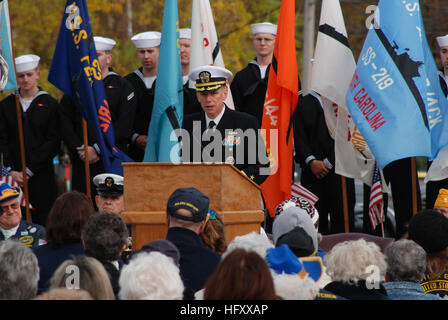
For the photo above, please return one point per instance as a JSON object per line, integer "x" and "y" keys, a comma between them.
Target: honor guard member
{"x": 12, "y": 226}
{"x": 191, "y": 103}
{"x": 122, "y": 105}
{"x": 234, "y": 133}
{"x": 41, "y": 137}
{"x": 250, "y": 84}
{"x": 314, "y": 151}
{"x": 110, "y": 199}
{"x": 433, "y": 187}
{"x": 143, "y": 80}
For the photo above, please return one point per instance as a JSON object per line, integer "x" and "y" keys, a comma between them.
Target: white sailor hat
{"x": 264, "y": 27}
{"x": 103, "y": 44}
{"x": 185, "y": 33}
{"x": 109, "y": 184}
{"x": 26, "y": 62}
{"x": 209, "y": 77}
{"x": 442, "y": 41}
{"x": 148, "y": 39}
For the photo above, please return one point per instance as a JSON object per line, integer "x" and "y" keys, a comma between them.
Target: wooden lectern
{"x": 147, "y": 187}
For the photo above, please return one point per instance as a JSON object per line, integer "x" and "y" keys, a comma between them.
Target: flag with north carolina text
{"x": 8, "y": 80}
{"x": 167, "y": 113}
{"x": 280, "y": 102}
{"x": 75, "y": 70}
{"x": 205, "y": 48}
{"x": 395, "y": 97}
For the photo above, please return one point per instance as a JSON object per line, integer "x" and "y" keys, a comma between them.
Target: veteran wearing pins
{"x": 12, "y": 226}
{"x": 219, "y": 134}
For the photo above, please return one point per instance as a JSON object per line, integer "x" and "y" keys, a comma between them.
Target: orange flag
{"x": 280, "y": 102}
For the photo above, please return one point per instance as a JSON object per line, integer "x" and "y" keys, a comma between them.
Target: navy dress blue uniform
{"x": 312, "y": 140}
{"x": 42, "y": 143}
{"x": 145, "y": 103}
{"x": 249, "y": 90}
{"x": 30, "y": 234}
{"x": 230, "y": 122}
{"x": 122, "y": 105}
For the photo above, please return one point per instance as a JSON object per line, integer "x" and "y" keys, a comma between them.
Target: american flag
{"x": 376, "y": 211}
{"x": 297, "y": 190}
{"x": 6, "y": 177}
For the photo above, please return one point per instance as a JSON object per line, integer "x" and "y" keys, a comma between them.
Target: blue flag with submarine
{"x": 75, "y": 70}
{"x": 8, "y": 80}
{"x": 167, "y": 114}
{"x": 395, "y": 97}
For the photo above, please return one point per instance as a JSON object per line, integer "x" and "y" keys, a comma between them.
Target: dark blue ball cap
{"x": 191, "y": 199}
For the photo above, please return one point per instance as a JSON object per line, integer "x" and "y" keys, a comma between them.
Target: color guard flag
{"x": 376, "y": 209}
{"x": 205, "y": 48}
{"x": 8, "y": 80}
{"x": 280, "y": 103}
{"x": 75, "y": 71}
{"x": 332, "y": 70}
{"x": 167, "y": 114}
{"x": 395, "y": 97}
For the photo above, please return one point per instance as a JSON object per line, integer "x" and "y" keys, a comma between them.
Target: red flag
{"x": 280, "y": 103}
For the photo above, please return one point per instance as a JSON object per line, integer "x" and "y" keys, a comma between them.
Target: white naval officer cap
{"x": 442, "y": 41}
{"x": 109, "y": 184}
{"x": 185, "y": 33}
{"x": 209, "y": 78}
{"x": 103, "y": 44}
{"x": 26, "y": 62}
{"x": 148, "y": 39}
{"x": 264, "y": 27}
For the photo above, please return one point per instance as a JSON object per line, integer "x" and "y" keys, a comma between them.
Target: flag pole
{"x": 345, "y": 204}
{"x": 22, "y": 155}
{"x": 414, "y": 186}
{"x": 86, "y": 159}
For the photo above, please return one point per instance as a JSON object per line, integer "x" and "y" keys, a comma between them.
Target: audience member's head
{"x": 67, "y": 217}
{"x": 105, "y": 236}
{"x": 294, "y": 227}
{"x": 151, "y": 276}
{"x": 252, "y": 241}
{"x": 64, "y": 294}
{"x": 291, "y": 279}
{"x": 214, "y": 236}
{"x": 241, "y": 275}
{"x": 352, "y": 261}
{"x": 163, "y": 246}
{"x": 406, "y": 261}
{"x": 84, "y": 273}
{"x": 188, "y": 208}
{"x": 19, "y": 271}
{"x": 429, "y": 228}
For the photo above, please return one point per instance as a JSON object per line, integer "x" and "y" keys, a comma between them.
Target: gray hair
{"x": 352, "y": 261}
{"x": 151, "y": 276}
{"x": 19, "y": 271}
{"x": 406, "y": 261}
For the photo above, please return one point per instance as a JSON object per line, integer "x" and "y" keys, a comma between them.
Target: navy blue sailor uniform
{"x": 230, "y": 130}
{"x": 122, "y": 105}
{"x": 144, "y": 105}
{"x": 42, "y": 142}
{"x": 29, "y": 234}
{"x": 249, "y": 90}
